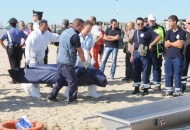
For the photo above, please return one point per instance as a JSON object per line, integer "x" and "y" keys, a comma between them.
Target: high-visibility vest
{"x": 159, "y": 30}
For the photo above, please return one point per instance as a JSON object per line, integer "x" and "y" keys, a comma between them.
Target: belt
{"x": 14, "y": 46}
{"x": 9, "y": 46}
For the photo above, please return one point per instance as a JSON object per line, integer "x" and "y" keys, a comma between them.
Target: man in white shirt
{"x": 36, "y": 45}
{"x": 97, "y": 36}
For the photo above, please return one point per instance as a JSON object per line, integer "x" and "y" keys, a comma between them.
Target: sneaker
{"x": 50, "y": 98}
{"x": 177, "y": 93}
{"x": 168, "y": 93}
{"x": 157, "y": 88}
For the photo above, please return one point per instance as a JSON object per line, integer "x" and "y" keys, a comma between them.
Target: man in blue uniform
{"x": 186, "y": 53}
{"x": 156, "y": 52}
{"x": 140, "y": 54}
{"x": 13, "y": 47}
{"x": 174, "y": 42}
{"x": 69, "y": 45}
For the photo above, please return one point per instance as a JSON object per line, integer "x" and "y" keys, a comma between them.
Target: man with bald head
{"x": 69, "y": 46}
{"x": 128, "y": 40}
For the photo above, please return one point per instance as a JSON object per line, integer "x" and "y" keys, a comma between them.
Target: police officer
{"x": 186, "y": 53}
{"x": 13, "y": 47}
{"x": 174, "y": 42}
{"x": 37, "y": 16}
{"x": 156, "y": 52}
{"x": 140, "y": 54}
{"x": 69, "y": 45}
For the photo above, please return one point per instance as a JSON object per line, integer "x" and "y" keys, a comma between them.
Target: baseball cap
{"x": 151, "y": 17}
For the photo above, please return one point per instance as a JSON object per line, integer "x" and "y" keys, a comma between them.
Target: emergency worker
{"x": 174, "y": 41}
{"x": 156, "y": 52}
{"x": 140, "y": 55}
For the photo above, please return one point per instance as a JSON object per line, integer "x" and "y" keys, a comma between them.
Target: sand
{"x": 14, "y": 102}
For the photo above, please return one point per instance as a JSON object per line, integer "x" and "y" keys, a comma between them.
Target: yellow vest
{"x": 160, "y": 32}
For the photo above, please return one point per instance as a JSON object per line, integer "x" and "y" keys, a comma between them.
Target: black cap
{"x": 37, "y": 13}
{"x": 13, "y": 20}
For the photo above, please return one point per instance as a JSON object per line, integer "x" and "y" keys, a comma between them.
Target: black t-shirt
{"x": 75, "y": 41}
{"x": 144, "y": 37}
{"x": 172, "y": 37}
{"x": 110, "y": 32}
{"x": 186, "y": 47}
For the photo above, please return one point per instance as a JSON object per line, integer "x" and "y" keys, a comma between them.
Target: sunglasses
{"x": 140, "y": 24}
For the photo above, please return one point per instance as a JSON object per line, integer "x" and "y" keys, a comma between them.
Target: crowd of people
{"x": 86, "y": 44}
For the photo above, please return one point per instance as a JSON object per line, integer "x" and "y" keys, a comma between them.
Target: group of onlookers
{"x": 84, "y": 42}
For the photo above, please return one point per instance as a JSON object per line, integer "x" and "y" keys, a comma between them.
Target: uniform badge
{"x": 177, "y": 37}
{"x": 142, "y": 35}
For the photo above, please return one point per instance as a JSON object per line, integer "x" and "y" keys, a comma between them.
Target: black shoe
{"x": 136, "y": 90}
{"x": 71, "y": 101}
{"x": 124, "y": 79}
{"x": 145, "y": 92}
{"x": 13, "y": 82}
{"x": 49, "y": 85}
{"x": 54, "y": 99}
{"x": 183, "y": 88}
{"x": 128, "y": 81}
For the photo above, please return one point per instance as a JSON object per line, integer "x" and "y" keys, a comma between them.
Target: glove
{"x": 86, "y": 65}
{"x": 93, "y": 61}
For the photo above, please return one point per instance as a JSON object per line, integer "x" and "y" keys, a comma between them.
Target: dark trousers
{"x": 156, "y": 63}
{"x": 173, "y": 68}
{"x": 129, "y": 73}
{"x": 141, "y": 64}
{"x": 15, "y": 56}
{"x": 66, "y": 72}
{"x": 46, "y": 56}
{"x": 186, "y": 62}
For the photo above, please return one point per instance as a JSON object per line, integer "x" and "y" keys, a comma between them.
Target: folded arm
{"x": 176, "y": 44}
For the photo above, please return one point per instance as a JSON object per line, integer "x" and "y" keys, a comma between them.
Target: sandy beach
{"x": 14, "y": 102}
